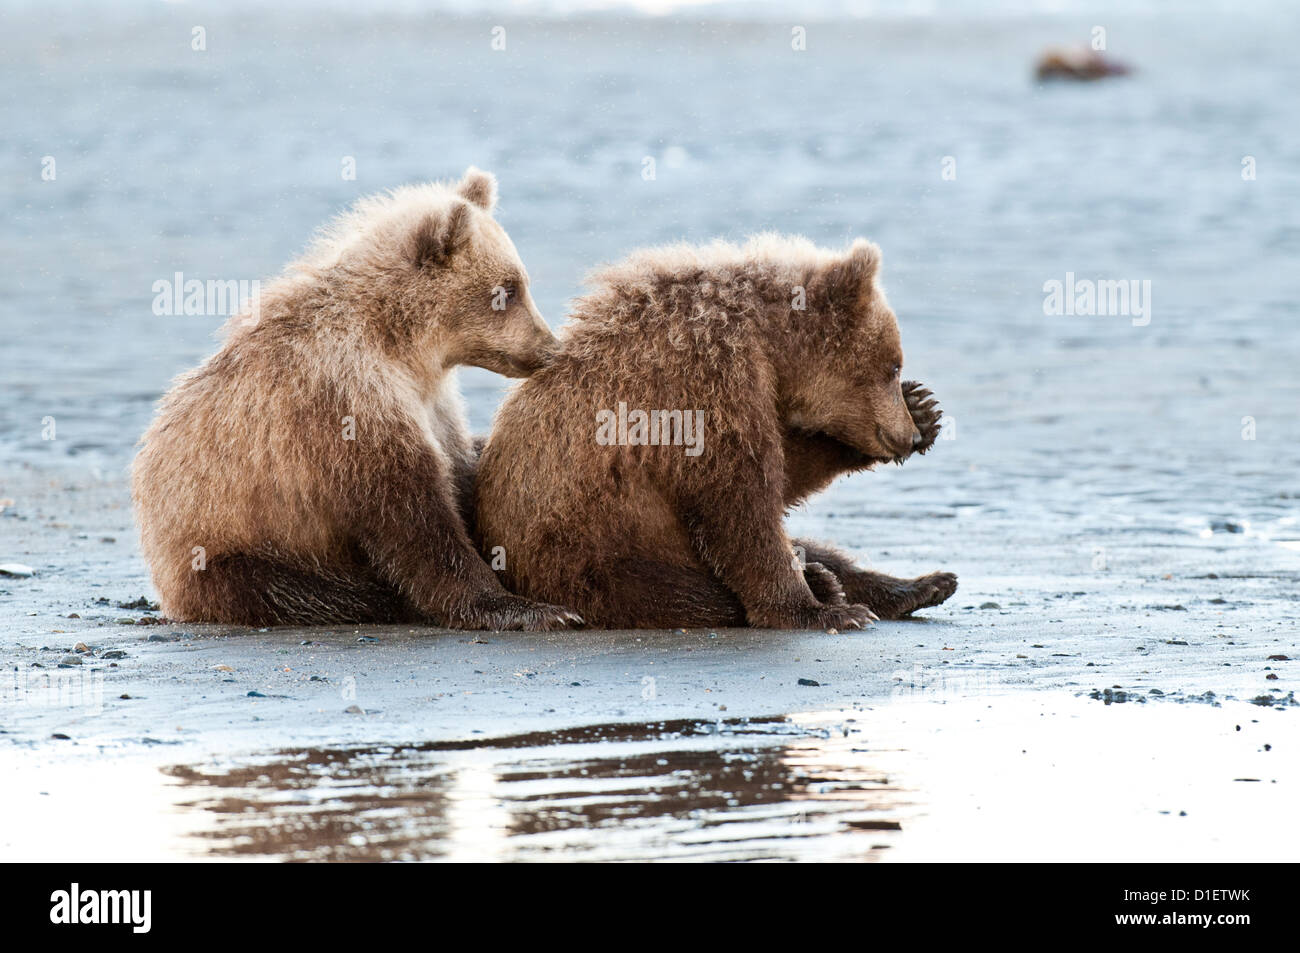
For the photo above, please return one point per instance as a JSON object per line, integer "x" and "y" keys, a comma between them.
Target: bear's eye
{"x": 895, "y": 371}
{"x": 503, "y": 295}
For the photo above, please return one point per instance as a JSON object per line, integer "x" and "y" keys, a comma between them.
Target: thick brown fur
{"x": 649, "y": 536}
{"x": 316, "y": 468}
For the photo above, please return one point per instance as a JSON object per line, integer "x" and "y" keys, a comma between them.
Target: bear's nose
{"x": 916, "y": 438}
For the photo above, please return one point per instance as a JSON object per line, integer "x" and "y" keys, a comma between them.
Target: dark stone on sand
{"x": 1115, "y": 696}
{"x": 809, "y": 682}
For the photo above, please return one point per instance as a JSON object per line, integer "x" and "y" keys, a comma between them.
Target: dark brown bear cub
{"x": 316, "y": 469}
{"x": 642, "y": 478}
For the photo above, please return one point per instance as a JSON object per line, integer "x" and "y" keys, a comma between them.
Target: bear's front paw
{"x": 500, "y": 611}
{"x": 924, "y": 408}
{"x": 839, "y": 618}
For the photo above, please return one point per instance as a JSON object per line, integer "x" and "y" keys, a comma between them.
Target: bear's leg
{"x": 409, "y": 525}
{"x": 466, "y": 470}
{"x": 263, "y": 590}
{"x": 812, "y": 460}
{"x": 732, "y": 510}
{"x": 889, "y": 597}
{"x": 646, "y": 594}
{"x": 635, "y": 593}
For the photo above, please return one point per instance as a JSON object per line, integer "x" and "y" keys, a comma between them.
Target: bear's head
{"x": 847, "y": 382}
{"x": 444, "y": 279}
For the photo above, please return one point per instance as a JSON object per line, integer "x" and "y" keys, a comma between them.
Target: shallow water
{"x": 218, "y": 164}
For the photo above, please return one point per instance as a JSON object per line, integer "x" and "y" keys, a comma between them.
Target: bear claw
{"x": 501, "y": 611}
{"x": 815, "y": 617}
{"x": 924, "y": 408}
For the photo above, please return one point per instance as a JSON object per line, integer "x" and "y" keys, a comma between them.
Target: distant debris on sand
{"x": 1077, "y": 63}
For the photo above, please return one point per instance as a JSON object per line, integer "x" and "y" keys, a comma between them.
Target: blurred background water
{"x": 219, "y": 163}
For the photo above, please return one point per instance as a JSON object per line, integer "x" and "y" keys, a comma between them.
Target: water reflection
{"x": 772, "y": 789}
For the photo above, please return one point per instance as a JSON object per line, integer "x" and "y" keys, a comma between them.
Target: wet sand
{"x": 1107, "y": 715}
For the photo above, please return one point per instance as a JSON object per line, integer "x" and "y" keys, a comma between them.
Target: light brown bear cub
{"x": 316, "y": 469}
{"x": 643, "y": 476}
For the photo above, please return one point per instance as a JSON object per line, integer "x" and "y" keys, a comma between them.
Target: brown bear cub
{"x": 317, "y": 468}
{"x": 642, "y": 477}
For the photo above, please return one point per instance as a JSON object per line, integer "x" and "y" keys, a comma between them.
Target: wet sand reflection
{"x": 769, "y": 789}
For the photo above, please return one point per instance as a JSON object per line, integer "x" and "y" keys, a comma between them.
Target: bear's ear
{"x": 849, "y": 280}
{"x": 479, "y": 187}
{"x": 438, "y": 236}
